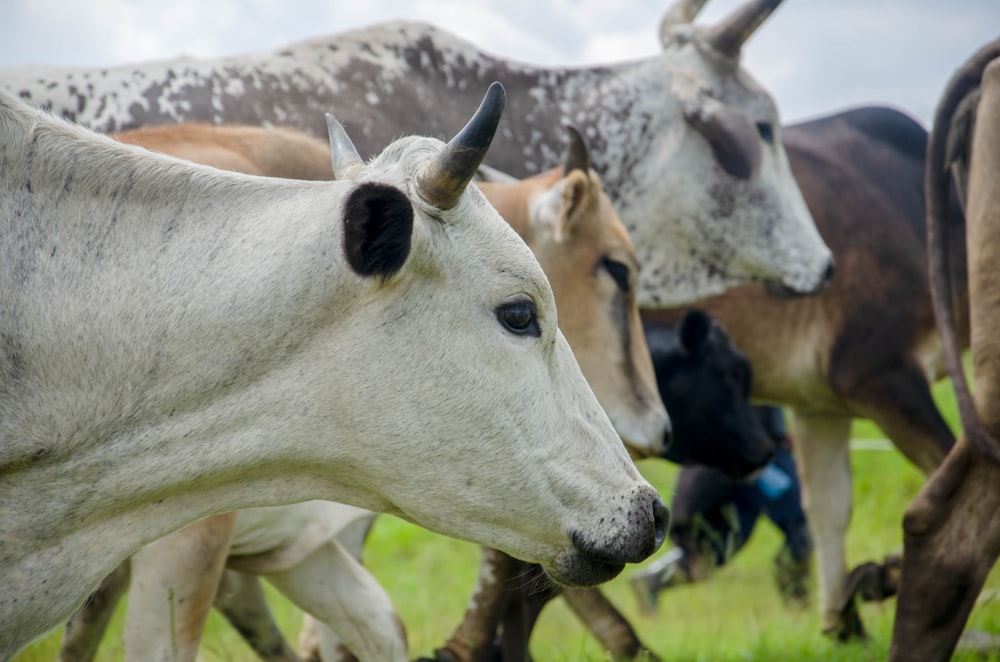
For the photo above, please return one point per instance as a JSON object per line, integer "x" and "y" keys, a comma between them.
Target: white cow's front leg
{"x": 174, "y": 581}
{"x": 822, "y": 451}
{"x": 350, "y": 606}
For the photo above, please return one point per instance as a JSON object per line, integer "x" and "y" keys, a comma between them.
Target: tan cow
{"x": 569, "y": 223}
{"x": 951, "y": 531}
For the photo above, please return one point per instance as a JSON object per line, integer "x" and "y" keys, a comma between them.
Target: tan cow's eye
{"x": 619, "y": 272}
{"x": 520, "y": 317}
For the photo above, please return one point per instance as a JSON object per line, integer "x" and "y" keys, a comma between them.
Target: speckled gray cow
{"x": 690, "y": 143}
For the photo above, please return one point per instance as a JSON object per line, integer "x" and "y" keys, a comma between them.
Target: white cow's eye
{"x": 520, "y": 317}
{"x": 766, "y": 132}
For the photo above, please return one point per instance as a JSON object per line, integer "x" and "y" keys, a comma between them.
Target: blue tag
{"x": 773, "y": 482}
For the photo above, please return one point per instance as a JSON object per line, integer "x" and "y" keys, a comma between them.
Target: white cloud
{"x": 815, "y": 57}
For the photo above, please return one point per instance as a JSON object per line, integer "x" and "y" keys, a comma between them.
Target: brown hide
{"x": 274, "y": 152}
{"x": 867, "y": 345}
{"x": 951, "y": 532}
{"x": 848, "y": 350}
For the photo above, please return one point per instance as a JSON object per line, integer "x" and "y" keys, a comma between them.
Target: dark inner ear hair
{"x": 378, "y": 226}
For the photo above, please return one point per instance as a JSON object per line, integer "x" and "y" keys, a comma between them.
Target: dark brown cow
{"x": 865, "y": 347}
{"x": 952, "y": 534}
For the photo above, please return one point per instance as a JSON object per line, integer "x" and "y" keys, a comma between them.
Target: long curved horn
{"x": 577, "y": 154}
{"x": 444, "y": 179}
{"x": 729, "y": 34}
{"x": 681, "y": 13}
{"x": 342, "y": 150}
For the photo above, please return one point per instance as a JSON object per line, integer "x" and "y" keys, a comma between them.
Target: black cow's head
{"x": 704, "y": 381}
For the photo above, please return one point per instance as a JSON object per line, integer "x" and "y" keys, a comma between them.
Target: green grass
{"x": 736, "y": 617}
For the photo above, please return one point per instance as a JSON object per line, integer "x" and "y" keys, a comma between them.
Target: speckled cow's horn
{"x": 729, "y": 34}
{"x": 444, "y": 179}
{"x": 342, "y": 150}
{"x": 680, "y": 13}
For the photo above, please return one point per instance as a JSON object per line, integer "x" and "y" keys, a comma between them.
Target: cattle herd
{"x": 232, "y": 331}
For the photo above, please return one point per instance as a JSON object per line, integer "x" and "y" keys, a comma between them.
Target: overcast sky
{"x": 816, "y": 56}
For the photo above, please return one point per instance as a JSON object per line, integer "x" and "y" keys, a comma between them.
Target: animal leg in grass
{"x": 607, "y": 624}
{"x": 822, "y": 452}
{"x": 350, "y": 606}
{"x": 174, "y": 581}
{"x": 899, "y": 401}
{"x": 533, "y": 591}
{"x": 951, "y": 541}
{"x": 241, "y": 600}
{"x": 474, "y": 639}
{"x": 84, "y": 631}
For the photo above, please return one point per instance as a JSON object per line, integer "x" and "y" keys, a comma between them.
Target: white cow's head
{"x": 514, "y": 450}
{"x": 728, "y": 160}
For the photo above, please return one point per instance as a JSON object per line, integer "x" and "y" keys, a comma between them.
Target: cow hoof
{"x": 848, "y": 626}
{"x": 792, "y": 577}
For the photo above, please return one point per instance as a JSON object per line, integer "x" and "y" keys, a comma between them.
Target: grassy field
{"x": 738, "y": 616}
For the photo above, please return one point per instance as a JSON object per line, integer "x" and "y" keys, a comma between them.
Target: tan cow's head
{"x": 571, "y": 226}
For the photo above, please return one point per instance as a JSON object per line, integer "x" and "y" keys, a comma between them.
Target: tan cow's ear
{"x": 575, "y": 190}
{"x": 546, "y": 214}
{"x": 555, "y": 212}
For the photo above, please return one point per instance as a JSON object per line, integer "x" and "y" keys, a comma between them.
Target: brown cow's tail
{"x": 944, "y": 146}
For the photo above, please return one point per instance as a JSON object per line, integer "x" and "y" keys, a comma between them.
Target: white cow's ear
{"x": 734, "y": 139}
{"x": 378, "y": 226}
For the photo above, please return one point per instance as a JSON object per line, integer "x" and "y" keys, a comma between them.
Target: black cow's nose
{"x": 831, "y": 267}
{"x": 661, "y": 522}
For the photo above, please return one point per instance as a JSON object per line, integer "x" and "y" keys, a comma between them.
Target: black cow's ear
{"x": 378, "y": 226}
{"x": 695, "y": 328}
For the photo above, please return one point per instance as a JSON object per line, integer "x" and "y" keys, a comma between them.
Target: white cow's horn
{"x": 444, "y": 179}
{"x": 342, "y": 150}
{"x": 729, "y": 34}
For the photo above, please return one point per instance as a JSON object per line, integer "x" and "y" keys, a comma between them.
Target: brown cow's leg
{"x": 85, "y": 630}
{"x": 241, "y": 600}
{"x": 952, "y": 539}
{"x": 474, "y": 638}
{"x": 606, "y": 623}
{"x": 524, "y": 605}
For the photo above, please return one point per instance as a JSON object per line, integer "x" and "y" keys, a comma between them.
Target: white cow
{"x": 177, "y": 341}
{"x": 308, "y": 550}
{"x": 690, "y": 144}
